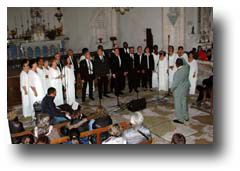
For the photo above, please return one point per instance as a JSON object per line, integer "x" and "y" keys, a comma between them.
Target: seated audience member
{"x": 48, "y": 106}
{"x": 103, "y": 119}
{"x": 78, "y": 121}
{"x": 138, "y": 133}
{"x": 202, "y": 54}
{"x": 209, "y": 54}
{"x": 178, "y": 139}
{"x": 74, "y": 137}
{"x": 15, "y": 125}
{"x": 116, "y": 135}
{"x": 42, "y": 140}
{"x": 45, "y": 127}
{"x": 28, "y": 139}
{"x": 205, "y": 90}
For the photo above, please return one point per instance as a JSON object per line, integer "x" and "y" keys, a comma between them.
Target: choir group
{"x": 148, "y": 69}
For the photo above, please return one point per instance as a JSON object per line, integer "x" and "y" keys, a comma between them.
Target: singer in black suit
{"x": 138, "y": 66}
{"x": 131, "y": 71}
{"x": 116, "y": 66}
{"x": 74, "y": 61}
{"x": 101, "y": 64}
{"x": 60, "y": 63}
{"x": 148, "y": 66}
{"x": 87, "y": 75}
{"x": 124, "y": 53}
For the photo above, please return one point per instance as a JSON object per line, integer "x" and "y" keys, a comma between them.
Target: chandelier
{"x": 122, "y": 10}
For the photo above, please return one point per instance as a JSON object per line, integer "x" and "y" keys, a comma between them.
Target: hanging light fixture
{"x": 122, "y": 10}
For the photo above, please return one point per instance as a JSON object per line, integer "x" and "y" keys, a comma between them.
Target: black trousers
{"x": 102, "y": 86}
{"x": 132, "y": 80}
{"x": 147, "y": 79}
{"x": 90, "y": 84}
{"x": 117, "y": 84}
{"x": 122, "y": 81}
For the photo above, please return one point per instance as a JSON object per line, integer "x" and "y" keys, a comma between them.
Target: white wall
{"x": 134, "y": 23}
{"x": 132, "y": 26}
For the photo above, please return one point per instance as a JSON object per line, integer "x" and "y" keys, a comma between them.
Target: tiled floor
{"x": 158, "y": 117}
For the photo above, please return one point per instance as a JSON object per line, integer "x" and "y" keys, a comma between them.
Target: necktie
{"x": 119, "y": 61}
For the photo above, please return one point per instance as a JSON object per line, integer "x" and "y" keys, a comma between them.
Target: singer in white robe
{"x": 46, "y": 79}
{"x": 36, "y": 92}
{"x": 24, "y": 88}
{"x": 192, "y": 73}
{"x": 56, "y": 81}
{"x": 155, "y": 72}
{"x": 68, "y": 82}
{"x": 40, "y": 72}
{"x": 162, "y": 73}
{"x": 172, "y": 67}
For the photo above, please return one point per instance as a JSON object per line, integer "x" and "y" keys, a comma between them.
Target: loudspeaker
{"x": 136, "y": 105}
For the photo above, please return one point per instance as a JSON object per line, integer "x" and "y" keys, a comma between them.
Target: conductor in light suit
{"x": 180, "y": 89}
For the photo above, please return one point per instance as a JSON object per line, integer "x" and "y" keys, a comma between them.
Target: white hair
{"x": 137, "y": 119}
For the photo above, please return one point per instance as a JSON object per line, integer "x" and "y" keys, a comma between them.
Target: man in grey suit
{"x": 180, "y": 89}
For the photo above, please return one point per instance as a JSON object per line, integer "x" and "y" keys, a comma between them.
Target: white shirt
{"x": 120, "y": 62}
{"x": 90, "y": 66}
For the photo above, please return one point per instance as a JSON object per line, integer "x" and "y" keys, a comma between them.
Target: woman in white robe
{"x": 69, "y": 81}
{"x": 46, "y": 80}
{"x": 172, "y": 57}
{"x": 162, "y": 73}
{"x": 24, "y": 88}
{"x": 155, "y": 72}
{"x": 192, "y": 73}
{"x": 55, "y": 77}
{"x": 36, "y": 92}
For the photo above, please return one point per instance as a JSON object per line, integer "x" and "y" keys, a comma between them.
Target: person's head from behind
{"x": 74, "y": 136}
{"x": 100, "y": 52}
{"x": 51, "y": 92}
{"x": 209, "y": 52}
{"x": 190, "y": 56}
{"x": 139, "y": 49}
{"x": 70, "y": 52}
{"x": 28, "y": 139}
{"x": 136, "y": 120}
{"x": 170, "y": 49}
{"x": 101, "y": 112}
{"x": 43, "y": 139}
{"x": 25, "y": 65}
{"x": 179, "y": 62}
{"x": 43, "y": 120}
{"x": 131, "y": 50}
{"x": 125, "y": 45}
{"x": 33, "y": 65}
{"x": 40, "y": 61}
{"x": 180, "y": 50}
{"x": 155, "y": 49}
{"x": 115, "y": 130}
{"x": 178, "y": 139}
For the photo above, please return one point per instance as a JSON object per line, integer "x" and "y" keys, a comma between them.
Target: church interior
{"x": 35, "y": 33}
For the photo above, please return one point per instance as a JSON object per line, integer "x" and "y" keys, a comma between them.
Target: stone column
{"x": 173, "y": 26}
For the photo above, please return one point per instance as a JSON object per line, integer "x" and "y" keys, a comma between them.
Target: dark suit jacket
{"x": 114, "y": 65}
{"x": 130, "y": 63}
{"x": 150, "y": 60}
{"x": 84, "y": 71}
{"x": 138, "y": 65}
{"x": 101, "y": 66}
